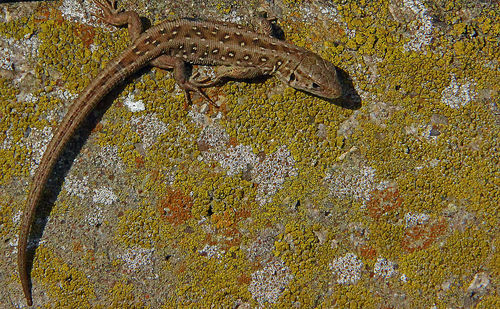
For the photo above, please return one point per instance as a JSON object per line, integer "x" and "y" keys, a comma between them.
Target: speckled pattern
{"x": 387, "y": 198}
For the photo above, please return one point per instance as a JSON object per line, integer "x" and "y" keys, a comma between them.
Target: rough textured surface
{"x": 394, "y": 204}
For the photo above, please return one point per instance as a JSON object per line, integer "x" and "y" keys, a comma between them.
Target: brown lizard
{"x": 174, "y": 45}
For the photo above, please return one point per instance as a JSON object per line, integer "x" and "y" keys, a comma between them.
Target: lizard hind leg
{"x": 111, "y": 15}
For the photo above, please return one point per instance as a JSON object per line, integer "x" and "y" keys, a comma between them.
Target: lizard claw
{"x": 190, "y": 86}
{"x": 204, "y": 82}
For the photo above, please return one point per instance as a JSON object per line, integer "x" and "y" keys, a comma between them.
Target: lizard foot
{"x": 111, "y": 15}
{"x": 204, "y": 82}
{"x": 189, "y": 86}
{"x": 108, "y": 8}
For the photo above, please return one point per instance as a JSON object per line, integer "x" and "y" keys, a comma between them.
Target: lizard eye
{"x": 292, "y": 77}
{"x": 315, "y": 86}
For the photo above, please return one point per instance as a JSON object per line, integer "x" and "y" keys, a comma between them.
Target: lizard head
{"x": 316, "y": 76}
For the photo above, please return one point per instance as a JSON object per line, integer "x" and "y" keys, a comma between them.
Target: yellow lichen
{"x": 66, "y": 286}
{"x": 457, "y": 259}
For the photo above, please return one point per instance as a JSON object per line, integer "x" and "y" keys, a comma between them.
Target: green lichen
{"x": 489, "y": 301}
{"x": 219, "y": 195}
{"x": 7, "y": 206}
{"x": 308, "y": 259}
{"x": 267, "y": 121}
{"x": 386, "y": 238}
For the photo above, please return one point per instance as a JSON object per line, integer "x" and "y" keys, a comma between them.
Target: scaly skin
{"x": 173, "y": 45}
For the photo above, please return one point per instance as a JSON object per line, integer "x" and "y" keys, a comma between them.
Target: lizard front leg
{"x": 180, "y": 75}
{"x": 112, "y": 16}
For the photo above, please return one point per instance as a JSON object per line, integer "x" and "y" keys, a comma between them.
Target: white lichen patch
{"x": 149, "y": 128}
{"x": 8, "y": 140}
{"x": 384, "y": 268}
{"x": 414, "y": 219}
{"x": 214, "y": 136}
{"x": 261, "y": 247}
{"x": 347, "y": 269}
{"x": 269, "y": 283}
{"x": 134, "y": 105}
{"x": 214, "y": 141}
{"x": 422, "y": 25}
{"x": 108, "y": 157}
{"x": 65, "y": 95}
{"x": 211, "y": 251}
{"x": 37, "y": 141}
{"x": 95, "y": 217}
{"x": 80, "y": 12}
{"x": 104, "y": 196}
{"x": 77, "y": 186}
{"x": 16, "y": 217}
{"x": 457, "y": 94}
{"x": 15, "y": 54}
{"x": 136, "y": 259}
{"x": 237, "y": 159}
{"x": 233, "y": 17}
{"x": 197, "y": 117}
{"x": 352, "y": 181}
{"x": 271, "y": 173}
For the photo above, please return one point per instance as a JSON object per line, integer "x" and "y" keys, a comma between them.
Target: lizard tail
{"x": 115, "y": 72}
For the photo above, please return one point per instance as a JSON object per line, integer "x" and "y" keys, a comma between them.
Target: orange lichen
{"x": 86, "y": 34}
{"x": 423, "y": 235}
{"x": 383, "y": 201}
{"x": 368, "y": 252}
{"x": 175, "y": 207}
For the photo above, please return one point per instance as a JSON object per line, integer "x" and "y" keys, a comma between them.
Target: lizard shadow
{"x": 350, "y": 98}
{"x": 63, "y": 165}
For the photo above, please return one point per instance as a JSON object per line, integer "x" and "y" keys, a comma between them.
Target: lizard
{"x": 242, "y": 53}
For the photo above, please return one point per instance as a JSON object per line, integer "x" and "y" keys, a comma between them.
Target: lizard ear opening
{"x": 315, "y": 86}
{"x": 292, "y": 77}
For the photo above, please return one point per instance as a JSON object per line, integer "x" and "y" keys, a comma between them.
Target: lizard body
{"x": 174, "y": 45}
